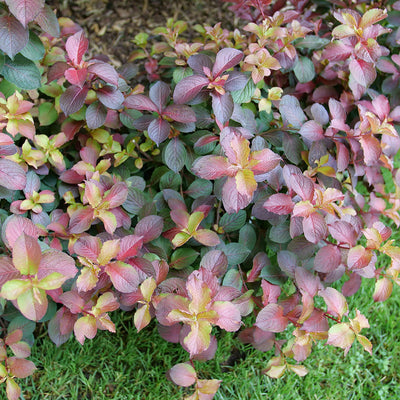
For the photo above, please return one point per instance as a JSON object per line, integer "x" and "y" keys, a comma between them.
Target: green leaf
{"x": 236, "y": 253}
{"x": 135, "y": 201}
{"x": 311, "y": 42}
{"x": 22, "y": 72}
{"x": 174, "y": 155}
{"x": 304, "y": 70}
{"x": 244, "y": 95}
{"x": 280, "y": 233}
{"x": 180, "y": 73}
{"x": 128, "y": 116}
{"x": 47, "y": 114}
{"x": 247, "y": 236}
{"x": 34, "y": 50}
{"x": 200, "y": 187}
{"x": 233, "y": 222}
{"x": 170, "y": 180}
{"x": 183, "y": 257}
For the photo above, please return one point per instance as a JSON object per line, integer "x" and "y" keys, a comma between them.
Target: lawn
{"x": 128, "y": 365}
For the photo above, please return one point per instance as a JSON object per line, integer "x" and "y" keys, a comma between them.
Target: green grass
{"x": 131, "y": 366}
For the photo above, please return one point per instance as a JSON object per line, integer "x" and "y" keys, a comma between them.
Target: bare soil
{"x": 111, "y": 25}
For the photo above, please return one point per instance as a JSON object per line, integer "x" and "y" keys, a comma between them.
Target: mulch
{"x": 111, "y": 25}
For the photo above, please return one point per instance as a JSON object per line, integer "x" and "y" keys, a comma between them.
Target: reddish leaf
{"x": 180, "y": 113}
{"x": 211, "y": 167}
{"x": 311, "y": 130}
{"x": 260, "y": 261}
{"x": 104, "y": 71}
{"x": 226, "y": 59}
{"x": 76, "y": 76}
{"x": 149, "y": 228}
{"x": 279, "y": 203}
{"x": 129, "y": 246}
{"x": 73, "y": 99}
{"x": 85, "y": 327}
{"x": 15, "y": 226}
{"x": 271, "y": 319}
{"x": 383, "y": 289}
{"x": 124, "y": 277}
{"x": 363, "y": 72}
{"x": 232, "y": 199}
{"x": 314, "y": 227}
{"x": 206, "y": 237}
{"x": 76, "y": 47}
{"x": 20, "y": 367}
{"x": 13, "y": 36}
{"x": 7, "y": 270}
{"x": 306, "y": 281}
{"x": 372, "y": 149}
{"x": 33, "y": 304}
{"x": 81, "y": 220}
{"x": 140, "y": 102}
{"x": 358, "y": 257}
{"x": 215, "y": 261}
{"x": 25, "y": 10}
{"x": 12, "y": 175}
{"x": 270, "y": 292}
{"x": 57, "y": 261}
{"x": 343, "y": 232}
{"x": 27, "y": 255}
{"x": 183, "y": 374}
{"x": 335, "y": 302}
{"x": 327, "y": 259}
{"x": 188, "y": 88}
{"x": 351, "y": 286}
{"x": 117, "y": 195}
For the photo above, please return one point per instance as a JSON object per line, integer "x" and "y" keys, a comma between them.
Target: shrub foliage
{"x": 245, "y": 181}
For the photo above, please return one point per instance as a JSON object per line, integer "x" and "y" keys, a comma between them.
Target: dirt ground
{"x": 111, "y": 25}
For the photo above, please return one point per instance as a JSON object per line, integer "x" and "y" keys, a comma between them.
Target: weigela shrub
{"x": 245, "y": 181}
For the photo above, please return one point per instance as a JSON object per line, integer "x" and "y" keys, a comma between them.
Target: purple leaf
{"x": 12, "y": 175}
{"x": 76, "y": 47}
{"x": 25, "y": 10}
{"x": 104, "y": 71}
{"x": 149, "y": 227}
{"x": 96, "y": 115}
{"x": 314, "y": 227}
{"x": 111, "y": 97}
{"x": 57, "y": 261}
{"x": 363, "y": 72}
{"x": 48, "y": 21}
{"x": 312, "y": 131}
{"x": 73, "y": 99}
{"x": 291, "y": 111}
{"x": 182, "y": 374}
{"x": 226, "y": 59}
{"x": 198, "y": 61}
{"x": 143, "y": 122}
{"x": 159, "y": 94}
{"x": 56, "y": 71}
{"x": 271, "y": 319}
{"x": 211, "y": 167}
{"x": 236, "y": 81}
{"x": 222, "y": 106}
{"x": 180, "y": 113}
{"x": 140, "y": 102}
{"x": 158, "y": 130}
{"x": 327, "y": 259}
{"x": 188, "y": 88}
{"x": 13, "y": 36}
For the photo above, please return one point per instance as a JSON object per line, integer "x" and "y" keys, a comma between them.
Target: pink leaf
{"x": 270, "y": 292}
{"x": 25, "y": 10}
{"x": 271, "y": 319}
{"x": 73, "y": 99}
{"x": 206, "y": 237}
{"x": 215, "y": 261}
{"x": 266, "y": 159}
{"x": 26, "y": 255}
{"x": 76, "y": 47}
{"x": 104, "y": 71}
{"x": 88, "y": 247}
{"x": 13, "y": 36}
{"x": 351, "y": 286}
{"x": 149, "y": 228}
{"x": 180, "y": 113}
{"x": 117, "y": 195}
{"x": 15, "y": 226}
{"x": 20, "y": 367}
{"x": 129, "y": 246}
{"x": 81, "y": 220}
{"x": 372, "y": 149}
{"x": 7, "y": 270}
{"x": 343, "y": 232}
{"x": 306, "y": 281}
{"x": 226, "y": 59}
{"x": 335, "y": 301}
{"x": 124, "y": 277}
{"x": 383, "y": 289}
{"x": 198, "y": 339}
{"x": 211, "y": 167}
{"x": 57, "y": 261}
{"x": 363, "y": 72}
{"x": 183, "y": 374}
{"x": 76, "y": 76}
{"x": 85, "y": 327}
{"x": 140, "y": 102}
{"x": 260, "y": 261}
{"x": 279, "y": 203}
{"x": 229, "y": 317}
{"x": 327, "y": 259}
{"x": 232, "y": 199}
{"x": 312, "y": 131}
{"x": 188, "y": 88}
{"x": 33, "y": 305}
{"x": 314, "y": 227}
{"x": 222, "y": 106}
{"x": 341, "y": 335}
{"x": 358, "y": 257}
{"x": 12, "y": 175}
